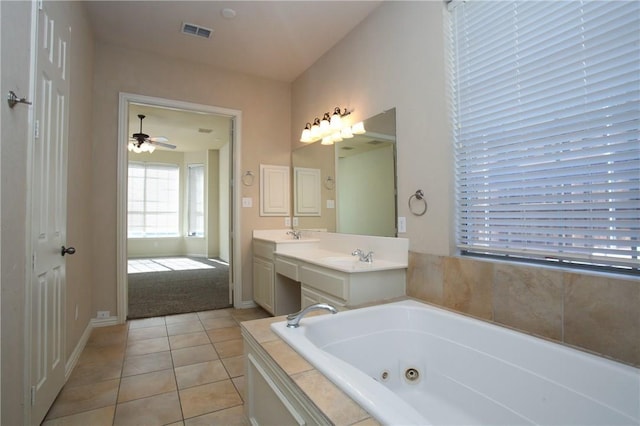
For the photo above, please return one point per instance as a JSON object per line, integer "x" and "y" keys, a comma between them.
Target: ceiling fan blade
{"x": 159, "y": 139}
{"x": 165, "y": 145}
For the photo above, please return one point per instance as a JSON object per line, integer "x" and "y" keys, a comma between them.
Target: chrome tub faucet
{"x": 293, "y": 320}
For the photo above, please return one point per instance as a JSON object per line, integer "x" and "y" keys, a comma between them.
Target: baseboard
{"x": 246, "y": 304}
{"x": 104, "y": 322}
{"x": 77, "y": 351}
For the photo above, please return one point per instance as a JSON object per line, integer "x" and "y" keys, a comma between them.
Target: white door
{"x": 48, "y": 206}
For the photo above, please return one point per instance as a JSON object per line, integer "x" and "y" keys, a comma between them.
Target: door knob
{"x": 67, "y": 250}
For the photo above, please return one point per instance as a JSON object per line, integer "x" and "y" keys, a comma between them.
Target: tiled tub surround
{"x": 329, "y": 404}
{"x": 599, "y": 313}
{"x": 412, "y": 363}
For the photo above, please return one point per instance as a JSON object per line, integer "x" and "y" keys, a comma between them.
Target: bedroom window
{"x": 546, "y": 114}
{"x": 153, "y": 200}
{"x": 195, "y": 200}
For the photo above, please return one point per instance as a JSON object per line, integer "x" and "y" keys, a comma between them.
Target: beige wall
{"x": 265, "y": 106}
{"x": 16, "y": 19}
{"x": 396, "y": 58}
{"x": 214, "y": 206}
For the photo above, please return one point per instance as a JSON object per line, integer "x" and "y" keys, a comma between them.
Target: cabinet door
{"x": 274, "y": 190}
{"x": 266, "y": 404}
{"x": 263, "y": 283}
{"x": 309, "y": 297}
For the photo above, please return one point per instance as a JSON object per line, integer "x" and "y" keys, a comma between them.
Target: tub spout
{"x": 293, "y": 320}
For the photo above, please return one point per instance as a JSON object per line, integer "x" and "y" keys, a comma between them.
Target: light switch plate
{"x": 287, "y": 221}
{"x": 247, "y": 202}
{"x": 402, "y": 224}
{"x": 331, "y": 204}
{"x": 295, "y": 221}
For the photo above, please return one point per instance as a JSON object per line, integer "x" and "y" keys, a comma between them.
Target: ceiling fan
{"x": 141, "y": 142}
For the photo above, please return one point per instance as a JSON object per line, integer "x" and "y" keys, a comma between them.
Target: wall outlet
{"x": 247, "y": 202}
{"x": 104, "y": 314}
{"x": 295, "y": 221}
{"x": 287, "y": 221}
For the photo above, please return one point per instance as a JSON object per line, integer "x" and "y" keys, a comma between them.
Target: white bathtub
{"x": 469, "y": 372}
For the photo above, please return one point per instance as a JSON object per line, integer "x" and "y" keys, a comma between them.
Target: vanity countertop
{"x": 343, "y": 262}
{"x": 333, "y": 251}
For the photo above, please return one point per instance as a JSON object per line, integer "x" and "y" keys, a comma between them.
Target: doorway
{"x": 199, "y": 232}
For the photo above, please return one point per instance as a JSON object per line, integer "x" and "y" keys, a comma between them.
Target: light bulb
{"x": 151, "y": 148}
{"x": 358, "y": 128}
{"x": 306, "y": 134}
{"x": 325, "y": 127}
{"x": 315, "y": 130}
{"x": 336, "y": 137}
{"x": 327, "y": 140}
{"x": 336, "y": 120}
{"x": 346, "y": 132}
{"x": 130, "y": 146}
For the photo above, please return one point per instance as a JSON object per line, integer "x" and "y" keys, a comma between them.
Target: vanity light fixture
{"x": 331, "y": 129}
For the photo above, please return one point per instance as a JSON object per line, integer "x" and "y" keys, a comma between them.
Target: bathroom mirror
{"x": 358, "y": 180}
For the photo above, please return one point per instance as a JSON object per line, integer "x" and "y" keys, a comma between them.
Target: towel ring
{"x": 247, "y": 178}
{"x": 419, "y": 195}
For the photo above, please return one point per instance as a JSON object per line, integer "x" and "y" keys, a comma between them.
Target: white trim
{"x": 104, "y": 322}
{"x": 72, "y": 361}
{"x": 121, "y": 205}
{"x": 245, "y": 304}
{"x": 28, "y": 243}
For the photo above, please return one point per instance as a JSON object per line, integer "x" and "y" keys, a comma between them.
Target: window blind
{"x": 546, "y": 116}
{"x": 153, "y": 200}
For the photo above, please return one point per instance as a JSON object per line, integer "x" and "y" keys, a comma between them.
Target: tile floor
{"x": 182, "y": 369}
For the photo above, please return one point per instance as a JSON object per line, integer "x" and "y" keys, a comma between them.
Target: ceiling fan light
{"x": 137, "y": 149}
{"x": 130, "y": 146}
{"x": 151, "y": 148}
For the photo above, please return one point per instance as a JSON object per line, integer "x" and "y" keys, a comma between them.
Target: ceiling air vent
{"x": 196, "y": 30}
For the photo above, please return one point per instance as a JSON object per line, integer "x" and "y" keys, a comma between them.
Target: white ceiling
{"x": 182, "y": 128}
{"x": 272, "y": 39}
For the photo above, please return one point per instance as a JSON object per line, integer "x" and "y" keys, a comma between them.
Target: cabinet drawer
{"x": 263, "y": 249}
{"x": 324, "y": 281}
{"x": 287, "y": 268}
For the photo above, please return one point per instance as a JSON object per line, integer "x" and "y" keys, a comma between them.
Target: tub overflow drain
{"x": 411, "y": 374}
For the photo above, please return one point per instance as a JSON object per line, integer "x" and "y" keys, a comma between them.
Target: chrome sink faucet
{"x": 363, "y": 257}
{"x": 296, "y": 234}
{"x": 293, "y": 320}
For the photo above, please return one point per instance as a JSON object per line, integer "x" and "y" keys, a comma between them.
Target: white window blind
{"x": 546, "y": 117}
{"x": 153, "y": 200}
{"x": 195, "y": 181}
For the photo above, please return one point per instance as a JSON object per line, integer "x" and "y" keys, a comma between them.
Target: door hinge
{"x": 36, "y": 129}
{"x": 33, "y": 396}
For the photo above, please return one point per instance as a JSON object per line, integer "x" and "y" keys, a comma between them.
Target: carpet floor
{"x": 153, "y": 294}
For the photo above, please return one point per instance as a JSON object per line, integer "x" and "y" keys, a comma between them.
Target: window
{"x": 546, "y": 117}
{"x": 153, "y": 200}
{"x": 195, "y": 195}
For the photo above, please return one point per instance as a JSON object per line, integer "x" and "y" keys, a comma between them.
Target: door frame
{"x": 234, "y": 232}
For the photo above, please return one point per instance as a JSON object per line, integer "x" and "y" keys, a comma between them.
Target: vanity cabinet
{"x": 277, "y": 294}
{"x": 319, "y": 284}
